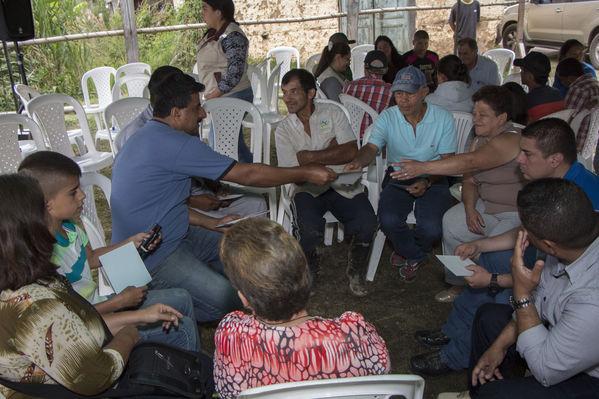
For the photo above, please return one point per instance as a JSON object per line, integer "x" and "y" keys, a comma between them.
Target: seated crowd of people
{"x": 527, "y": 219}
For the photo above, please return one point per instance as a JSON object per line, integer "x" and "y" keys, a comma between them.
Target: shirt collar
{"x": 580, "y": 266}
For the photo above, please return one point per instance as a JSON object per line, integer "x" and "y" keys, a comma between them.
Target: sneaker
{"x": 409, "y": 271}
{"x": 397, "y": 260}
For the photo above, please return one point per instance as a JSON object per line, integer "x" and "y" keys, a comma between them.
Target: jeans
{"x": 396, "y": 204}
{"x": 184, "y": 336}
{"x": 355, "y": 213}
{"x": 455, "y": 230}
{"x": 187, "y": 267}
{"x": 243, "y": 152}
{"x": 488, "y": 324}
{"x": 458, "y": 325}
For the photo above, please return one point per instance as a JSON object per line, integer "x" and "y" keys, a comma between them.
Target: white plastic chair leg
{"x": 328, "y": 234}
{"x": 375, "y": 254}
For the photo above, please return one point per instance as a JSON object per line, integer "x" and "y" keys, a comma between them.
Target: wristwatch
{"x": 494, "y": 287}
{"x": 522, "y": 303}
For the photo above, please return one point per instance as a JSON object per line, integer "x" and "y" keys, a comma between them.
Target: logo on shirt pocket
{"x": 324, "y": 123}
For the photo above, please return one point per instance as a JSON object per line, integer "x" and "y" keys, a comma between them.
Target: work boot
{"x": 357, "y": 264}
{"x": 313, "y": 259}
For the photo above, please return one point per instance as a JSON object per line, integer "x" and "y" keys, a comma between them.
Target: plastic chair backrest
{"x": 591, "y": 141}
{"x": 357, "y": 109}
{"x": 102, "y": 78}
{"x": 89, "y": 215}
{"x": 374, "y": 386}
{"x": 26, "y": 93}
{"x": 272, "y": 89}
{"x": 515, "y": 77}
{"x": 10, "y": 152}
{"x": 503, "y": 57}
{"x": 283, "y": 56}
{"x": 358, "y": 54}
{"x": 133, "y": 68}
{"x": 227, "y": 115}
{"x": 564, "y": 114}
{"x": 258, "y": 82}
{"x": 136, "y": 83}
{"x": 463, "y": 124}
{"x": 121, "y": 112}
{"x": 312, "y": 62}
{"x": 48, "y": 111}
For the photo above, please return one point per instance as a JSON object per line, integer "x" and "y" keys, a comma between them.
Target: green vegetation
{"x": 58, "y": 67}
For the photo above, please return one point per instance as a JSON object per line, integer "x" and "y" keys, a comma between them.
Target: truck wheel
{"x": 594, "y": 51}
{"x": 509, "y": 36}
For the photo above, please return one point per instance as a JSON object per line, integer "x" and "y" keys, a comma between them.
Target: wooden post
{"x": 128, "y": 16}
{"x": 520, "y": 49}
{"x": 353, "y": 6}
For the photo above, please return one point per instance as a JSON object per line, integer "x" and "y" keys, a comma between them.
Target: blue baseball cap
{"x": 408, "y": 79}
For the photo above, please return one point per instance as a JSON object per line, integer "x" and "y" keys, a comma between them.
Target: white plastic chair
{"x": 102, "y": 79}
{"x": 136, "y": 84}
{"x": 227, "y": 115}
{"x": 564, "y": 114}
{"x": 89, "y": 214}
{"x": 48, "y": 111}
{"x": 463, "y": 125}
{"x": 504, "y": 58}
{"x": 120, "y": 113}
{"x": 312, "y": 62}
{"x": 590, "y": 144}
{"x": 26, "y": 94}
{"x": 283, "y": 56}
{"x": 373, "y": 387}
{"x": 515, "y": 77}
{"x": 11, "y": 152}
{"x": 358, "y": 54}
{"x": 133, "y": 68}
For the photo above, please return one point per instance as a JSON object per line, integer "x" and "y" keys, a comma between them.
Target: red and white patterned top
{"x": 250, "y": 353}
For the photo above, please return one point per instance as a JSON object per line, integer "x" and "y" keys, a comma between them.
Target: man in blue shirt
{"x": 411, "y": 130}
{"x": 483, "y": 70}
{"x": 548, "y": 149}
{"x": 150, "y": 184}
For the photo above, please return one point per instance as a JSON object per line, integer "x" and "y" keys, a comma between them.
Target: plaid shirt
{"x": 580, "y": 97}
{"x": 373, "y": 91}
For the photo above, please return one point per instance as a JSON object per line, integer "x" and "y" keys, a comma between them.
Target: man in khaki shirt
{"x": 321, "y": 134}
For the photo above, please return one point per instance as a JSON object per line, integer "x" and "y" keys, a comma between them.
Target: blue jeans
{"x": 243, "y": 152}
{"x": 187, "y": 267}
{"x": 185, "y": 336}
{"x": 356, "y": 214}
{"x": 395, "y": 206}
{"x": 458, "y": 325}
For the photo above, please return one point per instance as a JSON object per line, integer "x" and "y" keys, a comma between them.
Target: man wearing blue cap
{"x": 412, "y": 130}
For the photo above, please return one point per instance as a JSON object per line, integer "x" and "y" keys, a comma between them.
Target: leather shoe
{"x": 432, "y": 338}
{"x": 429, "y": 364}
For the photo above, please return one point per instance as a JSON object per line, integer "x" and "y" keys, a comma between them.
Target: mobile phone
{"x": 143, "y": 248}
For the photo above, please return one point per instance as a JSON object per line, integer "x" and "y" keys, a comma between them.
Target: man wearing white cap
{"x": 412, "y": 130}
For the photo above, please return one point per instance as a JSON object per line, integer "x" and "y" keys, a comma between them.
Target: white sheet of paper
{"x": 348, "y": 177}
{"x": 104, "y": 287}
{"x": 243, "y": 218}
{"x": 456, "y": 265}
{"x": 124, "y": 268}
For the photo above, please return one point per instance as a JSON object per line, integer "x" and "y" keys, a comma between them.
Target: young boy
{"x": 58, "y": 176}
{"x": 422, "y": 58}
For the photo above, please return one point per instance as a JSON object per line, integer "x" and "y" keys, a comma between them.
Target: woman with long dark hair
{"x": 453, "y": 91}
{"x": 394, "y": 59}
{"x": 331, "y": 68}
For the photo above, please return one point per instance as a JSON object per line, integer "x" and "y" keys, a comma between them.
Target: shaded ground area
{"x": 396, "y": 309}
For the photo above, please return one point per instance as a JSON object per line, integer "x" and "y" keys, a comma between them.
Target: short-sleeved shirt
{"x": 543, "y": 101}
{"x": 327, "y": 122}
{"x": 151, "y": 180}
{"x": 468, "y": 18}
{"x": 250, "y": 353}
{"x": 426, "y": 64}
{"x": 484, "y": 73}
{"x": 587, "y": 180}
{"x": 70, "y": 257}
{"x": 435, "y": 135}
